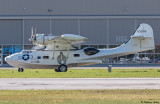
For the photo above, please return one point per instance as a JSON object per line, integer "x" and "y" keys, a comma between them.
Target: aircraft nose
{"x": 11, "y": 60}
{"x": 8, "y": 58}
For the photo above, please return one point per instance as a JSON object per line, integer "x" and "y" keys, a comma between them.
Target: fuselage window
{"x": 38, "y": 57}
{"x": 76, "y": 55}
{"x": 90, "y": 51}
{"x": 45, "y": 57}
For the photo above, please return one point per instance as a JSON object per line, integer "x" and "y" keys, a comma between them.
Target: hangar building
{"x": 107, "y": 23}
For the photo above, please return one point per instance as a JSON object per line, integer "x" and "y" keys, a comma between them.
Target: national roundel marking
{"x": 25, "y": 57}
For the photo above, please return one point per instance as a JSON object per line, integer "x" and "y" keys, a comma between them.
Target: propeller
{"x": 33, "y": 36}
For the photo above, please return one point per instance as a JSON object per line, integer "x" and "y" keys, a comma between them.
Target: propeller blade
{"x": 31, "y": 31}
{"x": 33, "y": 35}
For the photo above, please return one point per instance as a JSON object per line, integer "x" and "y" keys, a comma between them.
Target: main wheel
{"x": 20, "y": 69}
{"x": 62, "y": 68}
{"x": 56, "y": 70}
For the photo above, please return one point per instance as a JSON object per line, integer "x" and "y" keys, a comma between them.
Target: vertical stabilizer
{"x": 142, "y": 39}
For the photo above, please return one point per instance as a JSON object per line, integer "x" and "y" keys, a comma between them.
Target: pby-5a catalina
{"x": 59, "y": 53}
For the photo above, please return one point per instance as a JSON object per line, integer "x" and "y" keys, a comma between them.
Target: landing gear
{"x": 20, "y": 69}
{"x": 61, "y": 68}
{"x": 56, "y": 70}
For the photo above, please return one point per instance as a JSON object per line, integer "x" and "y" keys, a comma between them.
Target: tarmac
{"x": 78, "y": 83}
{"x": 81, "y": 83}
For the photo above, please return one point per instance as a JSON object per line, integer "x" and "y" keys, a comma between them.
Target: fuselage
{"x": 47, "y": 59}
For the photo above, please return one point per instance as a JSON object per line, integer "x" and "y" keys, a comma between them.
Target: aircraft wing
{"x": 70, "y": 39}
{"x": 66, "y": 41}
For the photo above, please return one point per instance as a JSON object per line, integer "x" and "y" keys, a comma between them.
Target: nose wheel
{"x": 61, "y": 68}
{"x": 20, "y": 69}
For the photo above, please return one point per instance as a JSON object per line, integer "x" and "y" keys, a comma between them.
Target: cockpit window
{"x": 26, "y": 51}
{"x": 90, "y": 51}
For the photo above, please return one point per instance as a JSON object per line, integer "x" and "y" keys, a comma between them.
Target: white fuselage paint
{"x": 37, "y": 59}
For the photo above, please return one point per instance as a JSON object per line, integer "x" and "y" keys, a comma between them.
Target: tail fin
{"x": 141, "y": 40}
{"x": 144, "y": 30}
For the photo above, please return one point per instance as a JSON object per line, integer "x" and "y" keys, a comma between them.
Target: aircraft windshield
{"x": 26, "y": 51}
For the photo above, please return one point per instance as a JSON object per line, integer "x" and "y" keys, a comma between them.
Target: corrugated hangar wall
{"x": 102, "y": 21}
{"x": 99, "y": 31}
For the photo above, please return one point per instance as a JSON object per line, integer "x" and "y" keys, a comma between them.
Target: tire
{"x": 20, "y": 70}
{"x": 62, "y": 68}
{"x": 56, "y": 70}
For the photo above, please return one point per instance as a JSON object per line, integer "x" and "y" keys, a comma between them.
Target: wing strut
{"x": 53, "y": 50}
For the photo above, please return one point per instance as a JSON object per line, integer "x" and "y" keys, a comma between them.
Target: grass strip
{"x": 81, "y": 73}
{"x": 79, "y": 96}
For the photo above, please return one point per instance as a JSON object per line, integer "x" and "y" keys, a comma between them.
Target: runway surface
{"x": 78, "y": 83}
